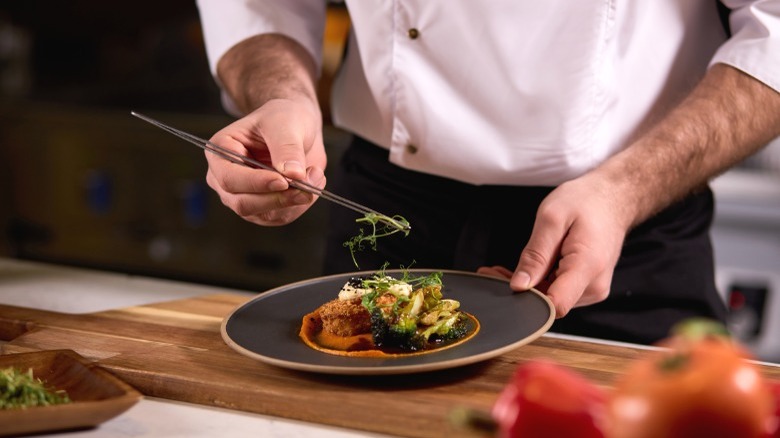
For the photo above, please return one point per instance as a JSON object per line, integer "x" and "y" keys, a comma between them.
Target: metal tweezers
{"x": 236, "y": 158}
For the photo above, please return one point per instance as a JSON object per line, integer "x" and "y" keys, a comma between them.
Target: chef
{"x": 565, "y": 145}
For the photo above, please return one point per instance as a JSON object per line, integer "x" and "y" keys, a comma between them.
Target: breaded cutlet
{"x": 345, "y": 317}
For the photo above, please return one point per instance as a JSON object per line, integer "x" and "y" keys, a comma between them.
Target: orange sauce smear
{"x": 361, "y": 345}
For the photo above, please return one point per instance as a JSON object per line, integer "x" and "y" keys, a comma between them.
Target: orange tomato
{"x": 700, "y": 386}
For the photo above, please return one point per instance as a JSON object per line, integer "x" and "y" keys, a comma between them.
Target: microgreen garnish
{"x": 381, "y": 226}
{"x": 22, "y": 390}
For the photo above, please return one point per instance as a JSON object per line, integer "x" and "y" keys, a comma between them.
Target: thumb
{"x": 538, "y": 257}
{"x": 286, "y": 148}
{"x": 288, "y": 130}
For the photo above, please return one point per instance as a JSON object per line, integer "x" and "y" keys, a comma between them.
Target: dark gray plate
{"x": 266, "y": 328}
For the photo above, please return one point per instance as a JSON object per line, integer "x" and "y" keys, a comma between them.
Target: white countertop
{"x": 73, "y": 290}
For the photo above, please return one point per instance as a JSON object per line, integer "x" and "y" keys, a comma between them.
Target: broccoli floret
{"x": 405, "y": 334}
{"x": 402, "y": 334}
{"x": 411, "y": 320}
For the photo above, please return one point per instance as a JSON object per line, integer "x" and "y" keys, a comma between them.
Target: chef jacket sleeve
{"x": 225, "y": 23}
{"x": 754, "y": 46}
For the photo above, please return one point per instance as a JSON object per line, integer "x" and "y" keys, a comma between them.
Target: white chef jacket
{"x": 511, "y": 92}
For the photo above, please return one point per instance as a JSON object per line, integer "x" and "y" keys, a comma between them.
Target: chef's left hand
{"x": 575, "y": 245}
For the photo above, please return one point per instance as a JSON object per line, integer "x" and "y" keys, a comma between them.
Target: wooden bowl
{"x": 96, "y": 395}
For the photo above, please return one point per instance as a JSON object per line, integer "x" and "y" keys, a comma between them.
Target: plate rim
{"x": 383, "y": 370}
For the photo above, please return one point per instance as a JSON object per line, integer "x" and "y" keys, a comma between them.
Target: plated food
{"x": 380, "y": 315}
{"x": 267, "y": 327}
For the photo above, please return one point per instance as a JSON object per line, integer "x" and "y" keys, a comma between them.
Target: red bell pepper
{"x": 545, "y": 399}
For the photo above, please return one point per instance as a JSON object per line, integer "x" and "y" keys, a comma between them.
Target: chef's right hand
{"x": 285, "y": 134}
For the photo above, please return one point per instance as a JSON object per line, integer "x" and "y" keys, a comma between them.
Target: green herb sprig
{"x": 381, "y": 226}
{"x": 20, "y": 389}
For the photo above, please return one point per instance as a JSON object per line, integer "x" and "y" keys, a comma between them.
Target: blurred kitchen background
{"x": 83, "y": 183}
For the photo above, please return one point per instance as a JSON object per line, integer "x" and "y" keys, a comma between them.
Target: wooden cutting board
{"x": 174, "y": 350}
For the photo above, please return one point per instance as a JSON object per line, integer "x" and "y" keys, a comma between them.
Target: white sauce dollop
{"x": 349, "y": 292}
{"x": 401, "y": 288}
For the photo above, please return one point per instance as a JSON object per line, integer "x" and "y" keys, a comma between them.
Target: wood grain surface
{"x": 174, "y": 350}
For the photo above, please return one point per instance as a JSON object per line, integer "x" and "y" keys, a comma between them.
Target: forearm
{"x": 267, "y": 67}
{"x": 727, "y": 117}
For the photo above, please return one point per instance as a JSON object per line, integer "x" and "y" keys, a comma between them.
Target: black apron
{"x": 665, "y": 272}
